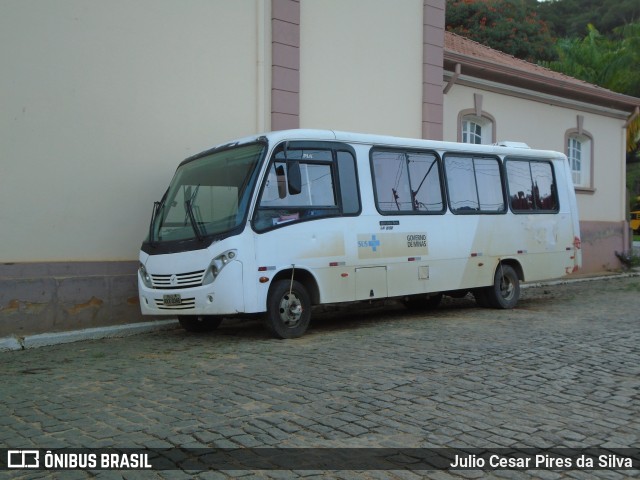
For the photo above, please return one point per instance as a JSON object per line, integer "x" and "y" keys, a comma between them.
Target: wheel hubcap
{"x": 506, "y": 288}
{"x": 290, "y": 309}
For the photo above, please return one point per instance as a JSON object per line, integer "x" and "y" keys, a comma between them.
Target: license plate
{"x": 172, "y": 299}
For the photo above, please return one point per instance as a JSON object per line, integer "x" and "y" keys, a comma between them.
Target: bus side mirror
{"x": 294, "y": 178}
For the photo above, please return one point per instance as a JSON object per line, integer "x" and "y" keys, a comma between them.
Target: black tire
{"x": 505, "y": 292}
{"x": 288, "y": 309}
{"x": 423, "y": 302}
{"x": 199, "y": 323}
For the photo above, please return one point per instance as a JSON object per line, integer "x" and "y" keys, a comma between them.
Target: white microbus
{"x": 280, "y": 222}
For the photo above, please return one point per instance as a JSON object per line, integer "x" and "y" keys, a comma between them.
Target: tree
{"x": 511, "y": 26}
{"x": 610, "y": 62}
{"x": 569, "y": 18}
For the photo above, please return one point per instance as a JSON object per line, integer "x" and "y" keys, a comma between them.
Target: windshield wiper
{"x": 158, "y": 207}
{"x": 188, "y": 205}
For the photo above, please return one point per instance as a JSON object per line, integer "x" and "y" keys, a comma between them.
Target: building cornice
{"x": 552, "y": 84}
{"x": 536, "y": 96}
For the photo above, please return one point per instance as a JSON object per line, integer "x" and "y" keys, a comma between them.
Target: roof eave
{"x": 540, "y": 83}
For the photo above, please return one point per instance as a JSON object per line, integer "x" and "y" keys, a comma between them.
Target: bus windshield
{"x": 208, "y": 196}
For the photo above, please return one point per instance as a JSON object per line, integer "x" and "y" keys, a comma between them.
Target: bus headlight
{"x": 146, "y": 279}
{"x": 217, "y": 265}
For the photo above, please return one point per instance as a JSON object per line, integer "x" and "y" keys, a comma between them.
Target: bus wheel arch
{"x": 505, "y": 291}
{"x": 304, "y": 277}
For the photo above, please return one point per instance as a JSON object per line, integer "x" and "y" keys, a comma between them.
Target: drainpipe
{"x": 628, "y": 238}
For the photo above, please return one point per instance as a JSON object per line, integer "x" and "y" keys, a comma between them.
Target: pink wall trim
{"x": 600, "y": 241}
{"x": 433, "y": 61}
{"x": 285, "y": 67}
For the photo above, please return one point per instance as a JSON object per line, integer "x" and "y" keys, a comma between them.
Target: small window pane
{"x": 348, "y": 183}
{"x": 519, "y": 178}
{"x": 392, "y": 181}
{"x": 489, "y": 184}
{"x": 425, "y": 182}
{"x": 471, "y": 132}
{"x": 574, "y": 152}
{"x": 461, "y": 183}
{"x": 543, "y": 187}
{"x": 317, "y": 186}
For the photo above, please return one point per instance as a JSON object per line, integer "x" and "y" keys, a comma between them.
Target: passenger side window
{"x": 407, "y": 181}
{"x": 474, "y": 184}
{"x": 318, "y": 196}
{"x": 531, "y": 186}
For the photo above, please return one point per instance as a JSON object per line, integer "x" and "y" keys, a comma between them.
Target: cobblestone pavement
{"x": 561, "y": 370}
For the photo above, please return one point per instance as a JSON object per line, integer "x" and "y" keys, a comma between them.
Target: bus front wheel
{"x": 505, "y": 291}
{"x": 199, "y": 323}
{"x": 288, "y": 309}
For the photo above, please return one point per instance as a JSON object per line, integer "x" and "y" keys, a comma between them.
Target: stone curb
{"x": 46, "y": 339}
{"x": 566, "y": 281}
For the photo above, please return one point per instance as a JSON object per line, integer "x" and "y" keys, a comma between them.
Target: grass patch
{"x": 633, "y": 287}
{"x": 629, "y": 259}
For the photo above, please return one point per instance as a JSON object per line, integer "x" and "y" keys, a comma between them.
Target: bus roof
{"x": 503, "y": 148}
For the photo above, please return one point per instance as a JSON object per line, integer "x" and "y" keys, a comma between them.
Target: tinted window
{"x": 531, "y": 186}
{"x": 474, "y": 184}
{"x": 407, "y": 181}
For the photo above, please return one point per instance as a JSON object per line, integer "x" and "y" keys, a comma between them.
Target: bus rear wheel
{"x": 505, "y": 291}
{"x": 288, "y": 309}
{"x": 199, "y": 323}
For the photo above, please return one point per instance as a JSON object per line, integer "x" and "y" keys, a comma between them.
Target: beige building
{"x": 491, "y": 96}
{"x": 101, "y": 100}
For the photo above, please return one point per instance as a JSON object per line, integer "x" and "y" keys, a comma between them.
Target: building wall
{"x": 543, "y": 125}
{"x": 361, "y": 68}
{"x": 100, "y": 101}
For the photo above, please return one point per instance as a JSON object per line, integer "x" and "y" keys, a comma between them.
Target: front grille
{"x": 186, "y": 304}
{"x": 178, "y": 280}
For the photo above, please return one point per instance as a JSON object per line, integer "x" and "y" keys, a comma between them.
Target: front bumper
{"x": 225, "y": 296}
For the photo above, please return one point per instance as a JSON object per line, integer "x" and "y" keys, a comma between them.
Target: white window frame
{"x": 486, "y": 122}
{"x": 472, "y": 131}
{"x": 579, "y": 151}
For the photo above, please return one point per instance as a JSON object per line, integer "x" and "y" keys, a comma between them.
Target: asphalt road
{"x": 561, "y": 370}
